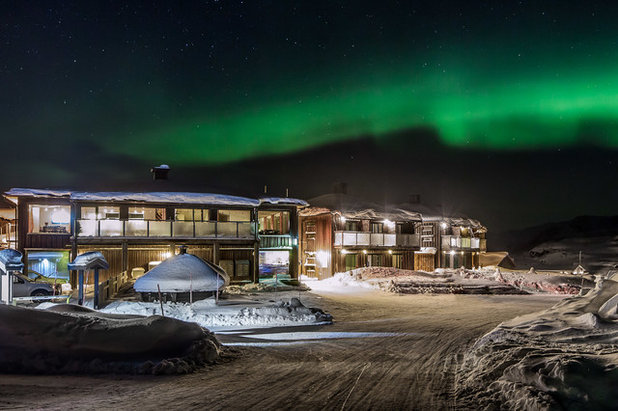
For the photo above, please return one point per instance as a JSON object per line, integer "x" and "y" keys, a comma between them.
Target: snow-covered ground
{"x": 564, "y": 357}
{"x": 228, "y": 314}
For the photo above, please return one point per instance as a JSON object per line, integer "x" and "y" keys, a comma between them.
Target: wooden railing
{"x": 276, "y": 241}
{"x": 110, "y": 287}
{"x": 165, "y": 228}
{"x": 361, "y": 238}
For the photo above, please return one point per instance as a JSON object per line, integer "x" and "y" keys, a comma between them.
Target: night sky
{"x": 507, "y": 111}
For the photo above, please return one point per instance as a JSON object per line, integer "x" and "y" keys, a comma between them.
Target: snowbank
{"x": 75, "y": 339}
{"x": 564, "y": 357}
{"x": 443, "y": 281}
{"x": 208, "y": 314}
{"x": 350, "y": 281}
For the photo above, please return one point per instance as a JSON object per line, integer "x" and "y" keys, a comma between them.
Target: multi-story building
{"x": 339, "y": 233}
{"x": 249, "y": 238}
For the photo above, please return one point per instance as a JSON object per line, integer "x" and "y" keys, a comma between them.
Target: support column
{"x": 256, "y": 262}
{"x": 124, "y": 258}
{"x": 215, "y": 253}
{"x": 96, "y": 288}
{"x": 80, "y": 295}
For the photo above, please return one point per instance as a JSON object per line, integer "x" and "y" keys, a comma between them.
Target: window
{"x": 274, "y": 222}
{"x": 147, "y": 213}
{"x": 100, "y": 213}
{"x": 377, "y": 227}
{"x": 190, "y": 214}
{"x": 234, "y": 215}
{"x": 375, "y": 260}
{"x": 49, "y": 219}
{"x": 351, "y": 226}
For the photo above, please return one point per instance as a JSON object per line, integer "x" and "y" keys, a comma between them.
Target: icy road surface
{"x": 383, "y": 352}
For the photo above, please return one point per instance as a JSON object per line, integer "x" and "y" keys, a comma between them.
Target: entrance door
{"x": 350, "y": 262}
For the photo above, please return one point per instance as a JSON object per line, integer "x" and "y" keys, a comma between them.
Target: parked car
{"x": 52, "y": 279}
{"x": 26, "y": 287}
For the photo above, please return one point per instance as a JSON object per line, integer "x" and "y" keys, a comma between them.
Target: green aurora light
{"x": 516, "y": 114}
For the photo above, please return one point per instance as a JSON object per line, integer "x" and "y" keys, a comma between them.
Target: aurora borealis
{"x": 96, "y": 93}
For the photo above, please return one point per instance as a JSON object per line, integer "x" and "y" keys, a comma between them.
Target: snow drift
{"x": 564, "y": 357}
{"x": 74, "y": 339}
{"x": 208, "y": 314}
{"x": 182, "y": 273}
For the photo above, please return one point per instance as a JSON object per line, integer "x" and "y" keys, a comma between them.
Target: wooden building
{"x": 141, "y": 229}
{"x": 339, "y": 233}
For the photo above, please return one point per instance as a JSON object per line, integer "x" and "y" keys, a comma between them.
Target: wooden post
{"x": 96, "y": 288}
{"x": 80, "y": 295}
{"x": 256, "y": 262}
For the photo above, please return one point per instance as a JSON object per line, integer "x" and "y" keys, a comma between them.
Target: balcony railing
{"x": 360, "y": 238}
{"x": 276, "y": 241}
{"x": 175, "y": 229}
{"x": 452, "y": 242}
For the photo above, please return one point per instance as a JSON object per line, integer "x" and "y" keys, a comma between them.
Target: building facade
{"x": 249, "y": 238}
{"x": 339, "y": 233}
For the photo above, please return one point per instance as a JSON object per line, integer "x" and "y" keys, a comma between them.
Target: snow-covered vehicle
{"x": 26, "y": 287}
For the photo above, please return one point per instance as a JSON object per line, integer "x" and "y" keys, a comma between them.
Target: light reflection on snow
{"x": 321, "y": 335}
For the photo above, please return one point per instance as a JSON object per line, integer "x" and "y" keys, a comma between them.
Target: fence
{"x": 110, "y": 287}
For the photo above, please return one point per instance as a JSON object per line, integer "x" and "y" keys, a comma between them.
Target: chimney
{"x": 340, "y": 188}
{"x": 160, "y": 172}
{"x": 182, "y": 249}
{"x": 414, "y": 198}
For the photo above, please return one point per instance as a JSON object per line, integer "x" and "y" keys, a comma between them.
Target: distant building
{"x": 339, "y": 232}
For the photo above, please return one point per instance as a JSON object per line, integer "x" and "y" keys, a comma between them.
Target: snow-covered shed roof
{"x": 89, "y": 261}
{"x": 183, "y": 273}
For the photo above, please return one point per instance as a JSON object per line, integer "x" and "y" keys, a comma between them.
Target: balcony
{"x": 165, "y": 229}
{"x": 276, "y": 241}
{"x": 455, "y": 242}
{"x": 360, "y": 238}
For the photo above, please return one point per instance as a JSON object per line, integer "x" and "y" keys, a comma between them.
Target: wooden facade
{"x": 235, "y": 247}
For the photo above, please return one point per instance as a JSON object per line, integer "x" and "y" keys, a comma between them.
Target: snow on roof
{"x": 36, "y": 192}
{"x": 284, "y": 200}
{"x": 10, "y": 260}
{"x": 182, "y": 273}
{"x": 166, "y": 197}
{"x": 151, "y": 197}
{"x": 354, "y": 208}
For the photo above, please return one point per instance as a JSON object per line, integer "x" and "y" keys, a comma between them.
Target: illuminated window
{"x": 49, "y": 219}
{"x": 234, "y": 215}
{"x": 274, "y": 222}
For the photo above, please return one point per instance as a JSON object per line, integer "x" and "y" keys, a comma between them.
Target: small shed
{"x": 180, "y": 275}
{"x": 92, "y": 260}
{"x": 10, "y": 261}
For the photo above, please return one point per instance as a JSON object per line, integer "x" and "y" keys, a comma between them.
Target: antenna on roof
{"x": 160, "y": 172}
{"x": 265, "y": 188}
{"x": 287, "y": 192}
